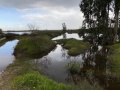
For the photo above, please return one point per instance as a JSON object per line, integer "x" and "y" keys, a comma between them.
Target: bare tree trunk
{"x": 116, "y": 26}
{"x": 108, "y": 15}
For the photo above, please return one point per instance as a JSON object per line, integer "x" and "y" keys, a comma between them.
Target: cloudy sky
{"x": 45, "y": 14}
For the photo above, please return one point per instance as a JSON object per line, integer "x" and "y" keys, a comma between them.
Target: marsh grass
{"x": 73, "y": 67}
{"x": 75, "y": 47}
{"x": 50, "y": 33}
{"x": 114, "y": 60}
{"x": 3, "y": 42}
{"x": 34, "y": 46}
{"x": 35, "y": 81}
{"x": 22, "y": 76}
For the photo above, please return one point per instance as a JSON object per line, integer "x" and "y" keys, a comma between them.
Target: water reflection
{"x": 94, "y": 67}
{"x": 67, "y": 35}
{"x": 54, "y": 64}
{"x": 6, "y": 56}
{"x": 20, "y": 33}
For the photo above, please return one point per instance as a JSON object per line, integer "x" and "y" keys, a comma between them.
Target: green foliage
{"x": 36, "y": 81}
{"x": 84, "y": 85}
{"x": 10, "y": 36}
{"x": 114, "y": 60}
{"x": 2, "y": 42}
{"x": 26, "y": 78}
{"x": 74, "y": 46}
{"x": 34, "y": 45}
{"x": 50, "y": 33}
{"x": 96, "y": 13}
{"x": 73, "y": 67}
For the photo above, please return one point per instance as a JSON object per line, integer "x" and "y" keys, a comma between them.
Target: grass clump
{"x": 33, "y": 46}
{"x": 114, "y": 60}
{"x": 73, "y": 67}
{"x": 3, "y": 42}
{"x": 35, "y": 81}
{"x": 74, "y": 46}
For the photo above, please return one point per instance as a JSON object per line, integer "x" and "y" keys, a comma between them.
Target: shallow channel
{"x": 6, "y": 54}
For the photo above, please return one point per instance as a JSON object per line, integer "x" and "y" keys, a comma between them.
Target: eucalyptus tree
{"x": 116, "y": 11}
{"x": 96, "y": 13}
{"x": 87, "y": 9}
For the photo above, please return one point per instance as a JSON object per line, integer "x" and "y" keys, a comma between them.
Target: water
{"x": 55, "y": 63}
{"x": 67, "y": 36}
{"x": 94, "y": 65}
{"x": 20, "y": 33}
{"x": 6, "y": 56}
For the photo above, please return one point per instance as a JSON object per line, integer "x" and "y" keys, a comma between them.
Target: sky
{"x": 44, "y": 14}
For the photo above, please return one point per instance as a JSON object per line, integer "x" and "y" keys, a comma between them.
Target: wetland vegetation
{"x": 75, "y": 47}
{"x": 31, "y": 46}
{"x": 82, "y": 59}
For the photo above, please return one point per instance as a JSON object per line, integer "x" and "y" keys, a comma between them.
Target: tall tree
{"x": 96, "y": 13}
{"x": 116, "y": 10}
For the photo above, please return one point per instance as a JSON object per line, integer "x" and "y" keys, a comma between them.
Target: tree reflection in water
{"x": 95, "y": 69}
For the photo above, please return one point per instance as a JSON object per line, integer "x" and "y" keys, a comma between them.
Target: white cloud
{"x": 24, "y": 4}
{"x": 56, "y": 12}
{"x": 54, "y": 19}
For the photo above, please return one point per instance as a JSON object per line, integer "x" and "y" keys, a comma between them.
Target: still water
{"x": 20, "y": 33}
{"x": 55, "y": 63}
{"x": 6, "y": 56}
{"x": 67, "y": 36}
{"x": 94, "y": 66}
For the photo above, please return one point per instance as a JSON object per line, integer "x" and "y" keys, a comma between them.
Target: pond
{"x": 67, "y": 36}
{"x": 6, "y": 56}
{"x": 92, "y": 65}
{"x": 55, "y": 63}
{"x": 20, "y": 33}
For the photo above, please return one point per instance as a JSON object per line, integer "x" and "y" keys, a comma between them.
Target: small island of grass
{"x": 34, "y": 46}
{"x": 75, "y": 47}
